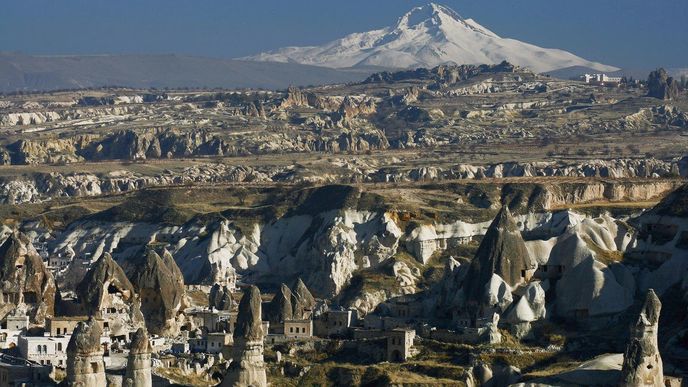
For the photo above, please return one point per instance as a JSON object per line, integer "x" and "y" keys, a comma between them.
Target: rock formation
{"x": 247, "y": 368}
{"x": 138, "y": 372}
{"x": 160, "y": 286}
{"x": 280, "y": 307}
{"x": 85, "y": 365}
{"x": 642, "y": 365}
{"x": 220, "y": 297}
{"x": 24, "y": 279}
{"x": 502, "y": 252}
{"x": 302, "y": 301}
{"x": 106, "y": 292}
{"x": 37, "y": 187}
{"x": 592, "y": 289}
{"x": 661, "y": 85}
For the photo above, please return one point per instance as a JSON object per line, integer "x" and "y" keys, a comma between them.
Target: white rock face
{"x": 498, "y": 293}
{"x": 530, "y": 307}
{"x": 425, "y": 37}
{"x": 592, "y": 289}
{"x": 325, "y": 249}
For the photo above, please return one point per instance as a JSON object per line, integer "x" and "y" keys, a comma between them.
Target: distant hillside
{"x": 43, "y": 73}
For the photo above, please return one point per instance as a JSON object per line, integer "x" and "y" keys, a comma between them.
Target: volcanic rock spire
{"x": 248, "y": 367}
{"x": 138, "y": 372}
{"x": 642, "y": 365}
{"x": 85, "y": 365}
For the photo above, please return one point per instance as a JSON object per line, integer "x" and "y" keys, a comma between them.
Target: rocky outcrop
{"x": 220, "y": 297}
{"x": 42, "y": 186}
{"x": 442, "y": 75}
{"x": 100, "y": 285}
{"x": 302, "y": 301}
{"x": 107, "y": 293}
{"x": 24, "y": 279}
{"x": 280, "y": 307}
{"x": 502, "y": 252}
{"x": 642, "y": 365}
{"x": 85, "y": 365}
{"x": 593, "y": 290}
{"x": 661, "y": 85}
{"x": 138, "y": 373}
{"x": 247, "y": 368}
{"x": 160, "y": 286}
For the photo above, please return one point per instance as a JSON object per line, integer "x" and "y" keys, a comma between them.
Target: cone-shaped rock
{"x": 25, "y": 279}
{"x": 280, "y": 308}
{"x": 642, "y": 365}
{"x": 502, "y": 252}
{"x": 247, "y": 367}
{"x": 160, "y": 286}
{"x": 220, "y": 297}
{"x": 102, "y": 281}
{"x": 302, "y": 301}
{"x": 85, "y": 365}
{"x": 249, "y": 325}
{"x": 139, "y": 361}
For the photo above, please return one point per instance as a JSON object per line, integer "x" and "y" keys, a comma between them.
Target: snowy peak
{"x": 428, "y": 15}
{"x": 438, "y": 19}
{"x": 427, "y": 36}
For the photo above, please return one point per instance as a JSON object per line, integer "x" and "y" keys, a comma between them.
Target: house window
{"x": 59, "y": 346}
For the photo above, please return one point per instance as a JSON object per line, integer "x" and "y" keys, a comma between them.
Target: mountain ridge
{"x": 22, "y": 72}
{"x": 427, "y": 36}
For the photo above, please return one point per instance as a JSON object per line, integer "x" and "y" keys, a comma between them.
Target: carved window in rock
{"x": 112, "y": 289}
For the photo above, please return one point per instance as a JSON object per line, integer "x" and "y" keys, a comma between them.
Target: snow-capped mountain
{"x": 424, "y": 37}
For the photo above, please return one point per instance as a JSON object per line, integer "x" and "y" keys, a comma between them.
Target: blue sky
{"x": 626, "y": 33}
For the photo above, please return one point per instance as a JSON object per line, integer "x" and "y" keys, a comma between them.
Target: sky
{"x": 625, "y": 33}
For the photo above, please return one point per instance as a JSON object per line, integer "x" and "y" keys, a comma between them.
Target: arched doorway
{"x": 396, "y": 356}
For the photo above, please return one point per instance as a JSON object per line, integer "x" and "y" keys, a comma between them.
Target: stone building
{"x": 213, "y": 320}
{"x": 400, "y": 344}
{"x": 16, "y": 324}
{"x": 396, "y": 345}
{"x": 298, "y": 328}
{"x": 21, "y": 372}
{"x": 333, "y": 323}
{"x": 44, "y": 350}
{"x": 62, "y": 325}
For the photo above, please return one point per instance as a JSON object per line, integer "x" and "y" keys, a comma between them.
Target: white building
{"x": 15, "y": 326}
{"x": 600, "y": 79}
{"x": 44, "y": 350}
